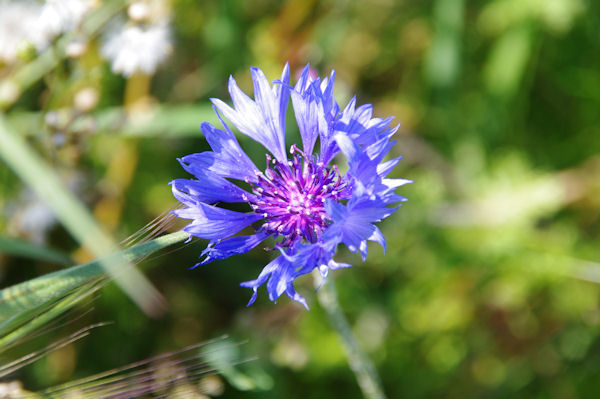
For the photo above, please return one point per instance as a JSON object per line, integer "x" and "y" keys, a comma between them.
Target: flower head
{"x": 301, "y": 200}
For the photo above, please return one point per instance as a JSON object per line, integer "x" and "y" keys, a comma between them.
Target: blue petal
{"x": 304, "y": 80}
{"x": 385, "y": 168}
{"x": 391, "y": 198}
{"x": 379, "y": 238}
{"x": 305, "y": 110}
{"x": 229, "y": 156}
{"x": 331, "y": 106}
{"x": 319, "y": 255}
{"x": 291, "y": 292}
{"x": 273, "y": 102}
{"x": 348, "y": 147}
{"x": 198, "y": 163}
{"x": 232, "y": 246}
{"x": 353, "y": 223}
{"x": 357, "y": 123}
{"x": 363, "y": 249}
{"x": 316, "y": 112}
{"x": 331, "y": 111}
{"x": 395, "y": 183}
{"x": 263, "y": 120}
{"x": 209, "y": 188}
{"x": 211, "y": 222}
{"x": 366, "y": 172}
{"x": 345, "y": 228}
{"x": 280, "y": 279}
{"x": 262, "y": 278}
{"x": 361, "y": 168}
{"x": 333, "y": 265}
{"x": 378, "y": 149}
{"x": 279, "y": 275}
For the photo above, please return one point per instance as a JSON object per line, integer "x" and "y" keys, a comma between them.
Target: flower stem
{"x": 361, "y": 365}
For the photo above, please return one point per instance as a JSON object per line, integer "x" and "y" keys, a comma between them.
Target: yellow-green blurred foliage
{"x": 489, "y": 287}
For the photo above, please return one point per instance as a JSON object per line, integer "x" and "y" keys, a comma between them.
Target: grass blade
{"x": 74, "y": 216}
{"x": 31, "y": 293}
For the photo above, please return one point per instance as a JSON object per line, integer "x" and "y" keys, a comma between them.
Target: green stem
{"x": 25, "y": 295}
{"x": 361, "y": 365}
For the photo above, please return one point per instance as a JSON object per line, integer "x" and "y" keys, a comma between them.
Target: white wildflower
{"x": 136, "y": 49}
{"x": 57, "y": 17}
{"x": 33, "y": 218}
{"x": 17, "y": 21}
{"x": 23, "y": 22}
{"x": 86, "y": 99}
{"x": 138, "y": 11}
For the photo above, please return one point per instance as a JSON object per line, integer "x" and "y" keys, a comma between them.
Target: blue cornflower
{"x": 301, "y": 200}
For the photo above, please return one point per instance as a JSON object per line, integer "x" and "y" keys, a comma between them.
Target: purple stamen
{"x": 291, "y": 197}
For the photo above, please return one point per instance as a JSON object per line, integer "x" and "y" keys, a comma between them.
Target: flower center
{"x": 291, "y": 197}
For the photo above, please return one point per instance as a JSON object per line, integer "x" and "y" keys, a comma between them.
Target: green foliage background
{"x": 489, "y": 287}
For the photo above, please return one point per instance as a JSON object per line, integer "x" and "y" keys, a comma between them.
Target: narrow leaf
{"x": 31, "y": 293}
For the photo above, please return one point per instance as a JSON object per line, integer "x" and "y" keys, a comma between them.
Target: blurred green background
{"x": 489, "y": 287}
